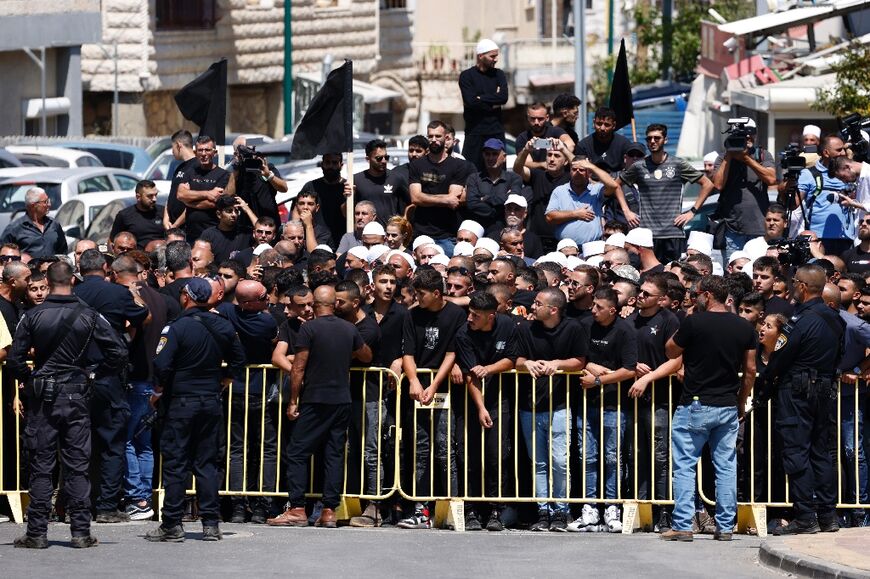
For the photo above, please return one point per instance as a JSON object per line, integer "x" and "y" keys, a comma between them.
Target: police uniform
{"x": 188, "y": 366}
{"x": 804, "y": 364}
{"x": 61, "y": 331}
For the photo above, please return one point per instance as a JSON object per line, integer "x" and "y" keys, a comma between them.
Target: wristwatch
{"x": 693, "y": 210}
{"x": 597, "y": 381}
{"x": 268, "y": 177}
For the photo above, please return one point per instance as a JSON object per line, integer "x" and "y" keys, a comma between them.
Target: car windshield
{"x": 12, "y": 195}
{"x": 111, "y": 157}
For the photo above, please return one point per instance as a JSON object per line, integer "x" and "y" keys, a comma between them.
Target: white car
{"x": 40, "y": 156}
{"x": 77, "y": 213}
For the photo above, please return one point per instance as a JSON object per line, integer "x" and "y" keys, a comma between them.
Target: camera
{"x": 738, "y": 133}
{"x": 850, "y": 131}
{"x": 792, "y": 162}
{"x": 794, "y": 252}
{"x": 249, "y": 160}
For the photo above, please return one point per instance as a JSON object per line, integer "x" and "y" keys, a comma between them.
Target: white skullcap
{"x": 463, "y": 248}
{"x": 436, "y": 246}
{"x": 616, "y": 240}
{"x": 485, "y": 45}
{"x": 574, "y": 261}
{"x": 566, "y": 243}
{"x": 407, "y": 257}
{"x": 640, "y": 236}
{"x": 595, "y": 260}
{"x": 491, "y": 245}
{"x": 554, "y": 257}
{"x": 711, "y": 157}
{"x": 374, "y": 228}
{"x": 717, "y": 268}
{"x": 812, "y": 130}
{"x": 738, "y": 255}
{"x": 422, "y": 240}
{"x": 514, "y": 199}
{"x": 439, "y": 259}
{"x": 324, "y": 247}
{"x": 263, "y": 247}
{"x": 359, "y": 252}
{"x": 701, "y": 241}
{"x": 376, "y": 252}
{"x": 756, "y": 247}
{"x": 472, "y": 226}
{"x": 591, "y": 248}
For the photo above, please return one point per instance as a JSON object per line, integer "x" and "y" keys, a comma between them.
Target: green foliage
{"x": 851, "y": 90}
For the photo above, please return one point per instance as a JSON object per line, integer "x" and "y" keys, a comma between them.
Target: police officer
{"x": 188, "y": 366}
{"x": 804, "y": 365}
{"x": 110, "y": 410}
{"x": 61, "y": 331}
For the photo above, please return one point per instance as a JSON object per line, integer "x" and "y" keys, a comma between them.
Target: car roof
{"x": 50, "y": 151}
{"x": 61, "y": 174}
{"x": 101, "y": 197}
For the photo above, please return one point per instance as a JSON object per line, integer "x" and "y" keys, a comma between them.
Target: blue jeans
{"x": 546, "y": 457}
{"x": 693, "y": 427}
{"x": 848, "y": 426}
{"x": 447, "y": 245}
{"x": 140, "y": 457}
{"x": 614, "y": 440}
{"x": 733, "y": 242}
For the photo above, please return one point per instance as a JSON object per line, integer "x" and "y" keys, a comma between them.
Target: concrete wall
{"x": 17, "y": 65}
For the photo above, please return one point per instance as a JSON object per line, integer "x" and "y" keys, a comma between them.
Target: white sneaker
{"x": 612, "y": 519}
{"x": 576, "y": 526}
{"x": 587, "y": 522}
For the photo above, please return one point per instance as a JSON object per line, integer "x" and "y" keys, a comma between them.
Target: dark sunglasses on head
{"x": 458, "y": 269}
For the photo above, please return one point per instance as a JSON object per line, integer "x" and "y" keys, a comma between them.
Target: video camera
{"x": 794, "y": 252}
{"x": 850, "y": 131}
{"x": 738, "y": 133}
{"x": 792, "y": 162}
{"x": 249, "y": 159}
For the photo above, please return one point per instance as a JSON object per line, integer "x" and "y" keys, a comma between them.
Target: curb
{"x": 780, "y": 557}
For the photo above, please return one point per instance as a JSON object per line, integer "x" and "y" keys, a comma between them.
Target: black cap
{"x": 635, "y": 147}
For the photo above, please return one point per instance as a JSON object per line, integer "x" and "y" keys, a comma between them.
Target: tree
{"x": 851, "y": 90}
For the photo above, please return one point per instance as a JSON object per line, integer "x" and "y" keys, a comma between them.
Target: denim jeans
{"x": 693, "y": 427}
{"x": 733, "y": 242}
{"x": 375, "y": 422}
{"x": 546, "y": 457}
{"x": 653, "y": 451}
{"x": 140, "y": 456}
{"x": 447, "y": 245}
{"x": 614, "y": 440}
{"x": 848, "y": 428}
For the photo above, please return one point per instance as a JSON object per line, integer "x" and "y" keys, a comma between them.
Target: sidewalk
{"x": 842, "y": 554}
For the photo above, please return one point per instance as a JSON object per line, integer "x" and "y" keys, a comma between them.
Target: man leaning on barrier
{"x": 60, "y": 330}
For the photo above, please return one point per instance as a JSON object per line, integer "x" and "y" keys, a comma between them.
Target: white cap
{"x": 491, "y": 245}
{"x": 485, "y": 45}
{"x": 554, "y": 257}
{"x": 751, "y": 124}
{"x": 376, "y": 252}
{"x": 701, "y": 241}
{"x": 711, "y": 157}
{"x": 574, "y": 261}
{"x": 463, "y": 248}
{"x": 756, "y": 247}
{"x": 717, "y": 268}
{"x": 406, "y": 256}
{"x": 472, "y": 226}
{"x": 595, "y": 260}
{"x": 566, "y": 243}
{"x": 812, "y": 130}
{"x": 422, "y": 240}
{"x": 436, "y": 246}
{"x": 324, "y": 247}
{"x": 615, "y": 240}
{"x": 374, "y": 228}
{"x": 514, "y": 199}
{"x": 591, "y": 248}
{"x": 738, "y": 255}
{"x": 359, "y": 252}
{"x": 263, "y": 247}
{"x": 439, "y": 259}
{"x": 640, "y": 236}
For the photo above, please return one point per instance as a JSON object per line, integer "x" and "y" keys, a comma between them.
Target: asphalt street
{"x": 258, "y": 551}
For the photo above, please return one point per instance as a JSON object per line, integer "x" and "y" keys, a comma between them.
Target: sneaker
{"x": 829, "y": 524}
{"x": 28, "y": 542}
{"x": 494, "y": 523}
{"x": 315, "y": 513}
{"x": 613, "y": 519}
{"x": 83, "y": 542}
{"x": 112, "y": 517}
{"x": 419, "y": 520}
{"x": 559, "y": 522}
{"x": 138, "y": 512}
{"x": 587, "y": 522}
{"x": 472, "y": 522}
{"x": 543, "y": 523}
{"x": 163, "y": 535}
{"x": 865, "y": 521}
{"x": 240, "y": 513}
{"x": 211, "y": 533}
{"x": 664, "y": 523}
{"x": 721, "y": 535}
{"x": 371, "y": 517}
{"x": 798, "y": 527}
{"x": 258, "y": 515}
{"x": 704, "y": 523}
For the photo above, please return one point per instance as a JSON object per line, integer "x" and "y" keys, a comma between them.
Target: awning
{"x": 370, "y": 93}
{"x": 794, "y": 95}
{"x": 777, "y": 22}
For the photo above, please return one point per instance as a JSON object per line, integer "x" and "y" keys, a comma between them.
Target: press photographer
{"x": 255, "y": 180}
{"x": 742, "y": 175}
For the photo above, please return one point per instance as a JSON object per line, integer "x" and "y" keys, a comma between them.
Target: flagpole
{"x": 349, "y": 205}
{"x": 348, "y": 131}
{"x": 633, "y": 131}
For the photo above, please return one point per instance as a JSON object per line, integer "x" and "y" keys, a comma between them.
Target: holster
{"x": 44, "y": 389}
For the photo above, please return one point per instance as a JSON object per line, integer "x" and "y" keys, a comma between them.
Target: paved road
{"x": 361, "y": 553}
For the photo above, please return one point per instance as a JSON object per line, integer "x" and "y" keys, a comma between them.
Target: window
{"x": 71, "y": 213}
{"x": 95, "y": 184}
{"x": 394, "y": 4}
{"x": 125, "y": 182}
{"x": 187, "y": 15}
{"x": 12, "y": 195}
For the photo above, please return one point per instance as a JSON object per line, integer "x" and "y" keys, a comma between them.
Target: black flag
{"x": 620, "y": 90}
{"x": 327, "y": 126}
{"x": 204, "y": 101}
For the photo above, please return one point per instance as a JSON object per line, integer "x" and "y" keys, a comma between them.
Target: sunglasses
{"x": 646, "y": 294}
{"x": 380, "y": 158}
{"x": 10, "y": 258}
{"x": 655, "y": 138}
{"x": 228, "y": 275}
{"x": 458, "y": 269}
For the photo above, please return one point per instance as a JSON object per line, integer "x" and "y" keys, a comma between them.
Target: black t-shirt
{"x": 429, "y": 336}
{"x": 614, "y": 347}
{"x": 652, "y": 335}
{"x": 714, "y": 346}
{"x": 173, "y": 291}
{"x": 173, "y": 205}
{"x": 288, "y": 331}
{"x": 777, "y": 305}
{"x": 10, "y": 314}
{"x": 608, "y": 156}
{"x": 201, "y": 179}
{"x": 392, "y": 326}
{"x": 224, "y": 243}
{"x": 542, "y": 184}
{"x": 475, "y": 348}
{"x": 330, "y": 342}
{"x": 331, "y": 198}
{"x": 258, "y": 194}
{"x": 145, "y": 225}
{"x": 536, "y": 342}
{"x": 436, "y": 179}
{"x": 371, "y": 335}
{"x": 857, "y": 261}
{"x": 579, "y": 314}
{"x": 389, "y": 193}
{"x": 539, "y": 155}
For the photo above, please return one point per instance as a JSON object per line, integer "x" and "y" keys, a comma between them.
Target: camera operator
{"x": 850, "y": 171}
{"x": 742, "y": 179}
{"x": 257, "y": 188}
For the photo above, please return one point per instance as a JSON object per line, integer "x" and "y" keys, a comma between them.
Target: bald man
{"x": 324, "y": 349}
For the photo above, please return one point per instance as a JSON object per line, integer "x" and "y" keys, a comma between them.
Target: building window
{"x": 187, "y": 15}
{"x": 394, "y": 4}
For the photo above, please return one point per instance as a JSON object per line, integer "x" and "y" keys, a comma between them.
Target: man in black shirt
{"x": 200, "y": 188}
{"x": 581, "y": 286}
{"x": 713, "y": 399}
{"x": 227, "y": 237}
{"x": 13, "y": 288}
{"x": 182, "y": 150}
{"x": 542, "y": 182}
{"x": 487, "y": 191}
{"x": 329, "y": 193}
{"x": 388, "y": 190}
{"x": 178, "y": 269}
{"x": 324, "y": 348}
{"x": 484, "y": 91}
{"x": 605, "y": 148}
{"x": 486, "y": 347}
{"x": 857, "y": 259}
{"x": 428, "y": 343}
{"x": 257, "y": 187}
{"x": 765, "y": 270}
{"x": 540, "y": 128}
{"x": 144, "y": 219}
{"x": 566, "y": 111}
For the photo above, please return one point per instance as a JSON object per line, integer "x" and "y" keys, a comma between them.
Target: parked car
{"x": 116, "y": 155}
{"x": 51, "y": 156}
{"x": 101, "y": 223}
{"x": 77, "y": 213}
{"x": 59, "y": 184}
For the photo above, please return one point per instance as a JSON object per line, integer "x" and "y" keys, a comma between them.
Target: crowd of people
{"x": 572, "y": 266}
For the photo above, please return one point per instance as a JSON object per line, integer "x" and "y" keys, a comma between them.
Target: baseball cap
{"x": 635, "y": 147}
{"x": 640, "y": 236}
{"x": 198, "y": 289}
{"x": 494, "y": 144}
{"x": 514, "y": 199}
